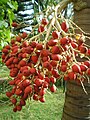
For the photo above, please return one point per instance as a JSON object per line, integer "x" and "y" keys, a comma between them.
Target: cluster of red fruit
{"x": 35, "y": 66}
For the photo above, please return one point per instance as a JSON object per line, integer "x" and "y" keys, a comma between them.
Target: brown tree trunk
{"x": 77, "y": 102}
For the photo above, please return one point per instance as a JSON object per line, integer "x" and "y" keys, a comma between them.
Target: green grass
{"x": 50, "y": 110}
{"x": 4, "y": 72}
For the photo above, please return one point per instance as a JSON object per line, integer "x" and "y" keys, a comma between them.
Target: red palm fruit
{"x": 83, "y": 68}
{"x": 12, "y": 66}
{"x": 24, "y": 35}
{"x": 18, "y": 91}
{"x": 33, "y": 44}
{"x": 29, "y": 49}
{"x": 22, "y": 102}
{"x": 87, "y": 63}
{"x": 34, "y": 59}
{"x": 12, "y": 82}
{"x": 52, "y": 42}
{"x": 22, "y": 63}
{"x": 88, "y": 52}
{"x": 39, "y": 46}
{"x": 26, "y": 82}
{"x": 44, "y": 53}
{"x": 8, "y": 62}
{"x": 21, "y": 86}
{"x": 7, "y": 47}
{"x": 14, "y": 72}
{"x": 14, "y": 47}
{"x": 76, "y": 68}
{"x": 55, "y": 50}
{"x": 15, "y": 109}
{"x": 80, "y": 42}
{"x": 3, "y": 56}
{"x": 64, "y": 41}
{"x": 13, "y": 90}
{"x": 24, "y": 68}
{"x": 25, "y": 44}
{"x": 32, "y": 70}
{"x": 72, "y": 75}
{"x": 14, "y": 24}
{"x": 68, "y": 58}
{"x": 63, "y": 68}
{"x": 74, "y": 45}
{"x": 47, "y": 65}
{"x": 42, "y": 92}
{"x": 44, "y": 21}
{"x": 28, "y": 90}
{"x": 35, "y": 97}
{"x": 36, "y": 88}
{"x": 38, "y": 82}
{"x": 40, "y": 76}
{"x": 41, "y": 28}
{"x": 55, "y": 34}
{"x": 56, "y": 57}
{"x": 13, "y": 41}
{"x": 53, "y": 88}
{"x": 52, "y": 79}
{"x": 20, "y": 55}
{"x": 16, "y": 60}
{"x": 55, "y": 73}
{"x": 5, "y": 51}
{"x": 47, "y": 79}
{"x": 26, "y": 72}
{"x": 18, "y": 38}
{"x": 64, "y": 26}
{"x": 37, "y": 53}
{"x": 53, "y": 63}
{"x": 66, "y": 77}
{"x": 19, "y": 76}
{"x": 45, "y": 84}
{"x": 63, "y": 62}
{"x": 42, "y": 99}
{"x": 25, "y": 55}
{"x": 25, "y": 96}
{"x": 13, "y": 100}
{"x": 15, "y": 51}
{"x": 65, "y": 47}
{"x": 44, "y": 59}
{"x": 88, "y": 71}
{"x": 19, "y": 107}
{"x": 8, "y": 94}
{"x": 83, "y": 49}
{"x": 17, "y": 82}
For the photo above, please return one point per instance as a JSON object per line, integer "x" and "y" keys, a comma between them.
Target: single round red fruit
{"x": 14, "y": 100}
{"x": 53, "y": 88}
{"x": 14, "y": 24}
{"x": 42, "y": 99}
{"x": 55, "y": 34}
{"x": 41, "y": 28}
{"x": 64, "y": 26}
{"x": 35, "y": 97}
{"x": 44, "y": 21}
{"x": 28, "y": 90}
{"x": 72, "y": 75}
{"x": 76, "y": 68}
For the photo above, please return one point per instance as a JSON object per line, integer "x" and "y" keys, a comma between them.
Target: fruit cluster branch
{"x": 37, "y": 62}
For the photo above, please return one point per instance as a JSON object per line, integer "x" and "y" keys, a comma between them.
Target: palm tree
{"x": 77, "y": 102}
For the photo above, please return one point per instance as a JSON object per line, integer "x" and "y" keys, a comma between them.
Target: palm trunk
{"x": 77, "y": 102}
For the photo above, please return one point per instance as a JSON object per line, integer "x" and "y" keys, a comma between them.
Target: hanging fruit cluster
{"x": 36, "y": 63}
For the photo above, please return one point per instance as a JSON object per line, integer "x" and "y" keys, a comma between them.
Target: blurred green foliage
{"x": 7, "y": 8}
